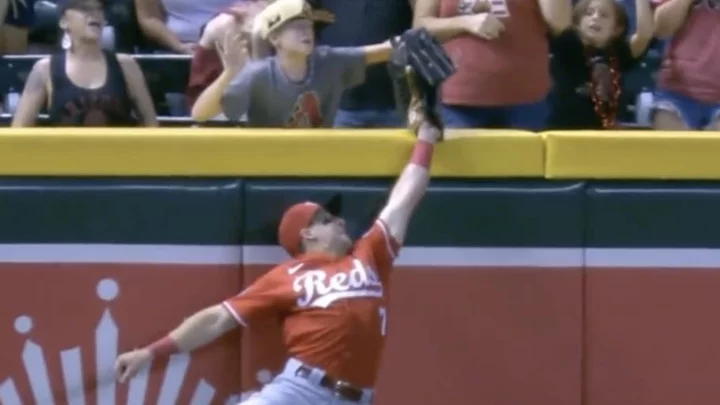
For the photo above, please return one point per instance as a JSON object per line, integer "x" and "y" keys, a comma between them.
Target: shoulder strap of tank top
{"x": 57, "y": 69}
{"x": 112, "y": 60}
{"x": 115, "y": 71}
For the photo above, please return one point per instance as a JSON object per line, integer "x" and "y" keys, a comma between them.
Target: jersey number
{"x": 382, "y": 311}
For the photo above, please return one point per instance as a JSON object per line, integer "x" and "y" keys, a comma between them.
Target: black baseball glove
{"x": 418, "y": 65}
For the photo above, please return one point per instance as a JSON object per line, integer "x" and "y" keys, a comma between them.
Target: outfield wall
{"x": 538, "y": 270}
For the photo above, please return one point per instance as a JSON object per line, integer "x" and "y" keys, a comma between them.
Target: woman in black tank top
{"x": 85, "y": 85}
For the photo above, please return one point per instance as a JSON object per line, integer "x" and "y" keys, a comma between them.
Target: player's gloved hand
{"x": 428, "y": 128}
{"x": 428, "y": 65}
{"x": 128, "y": 364}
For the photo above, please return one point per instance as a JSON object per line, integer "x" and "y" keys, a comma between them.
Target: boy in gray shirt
{"x": 299, "y": 87}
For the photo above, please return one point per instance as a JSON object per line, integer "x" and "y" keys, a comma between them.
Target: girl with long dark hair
{"x": 589, "y": 60}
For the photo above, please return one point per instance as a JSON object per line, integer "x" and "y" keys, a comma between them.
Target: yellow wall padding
{"x": 632, "y": 155}
{"x": 255, "y": 152}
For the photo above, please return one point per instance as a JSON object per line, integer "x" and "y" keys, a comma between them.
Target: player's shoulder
{"x": 366, "y": 237}
{"x": 288, "y": 268}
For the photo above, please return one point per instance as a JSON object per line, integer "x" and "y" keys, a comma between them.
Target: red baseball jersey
{"x": 334, "y": 311}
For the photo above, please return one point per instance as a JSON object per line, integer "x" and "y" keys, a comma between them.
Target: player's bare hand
{"x": 484, "y": 25}
{"x": 233, "y": 48}
{"x": 418, "y": 121}
{"x": 128, "y": 364}
{"x": 427, "y": 131}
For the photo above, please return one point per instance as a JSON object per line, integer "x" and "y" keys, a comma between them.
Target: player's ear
{"x": 307, "y": 234}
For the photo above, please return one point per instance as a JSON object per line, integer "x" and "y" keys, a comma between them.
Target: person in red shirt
{"x": 501, "y": 51}
{"x": 688, "y": 90}
{"x": 331, "y": 297}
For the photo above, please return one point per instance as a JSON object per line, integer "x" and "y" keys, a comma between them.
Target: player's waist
{"x": 295, "y": 368}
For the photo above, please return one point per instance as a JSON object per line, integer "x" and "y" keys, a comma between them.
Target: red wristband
{"x": 422, "y": 153}
{"x": 163, "y": 347}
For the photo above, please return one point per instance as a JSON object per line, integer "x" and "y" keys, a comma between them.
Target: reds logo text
{"x": 316, "y": 289}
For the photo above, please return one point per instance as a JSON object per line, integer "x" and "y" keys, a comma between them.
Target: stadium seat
{"x": 121, "y": 15}
{"x": 165, "y": 74}
{"x": 14, "y": 70}
{"x": 45, "y": 28}
{"x": 638, "y": 85}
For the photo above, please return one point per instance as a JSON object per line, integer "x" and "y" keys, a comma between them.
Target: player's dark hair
{"x": 622, "y": 21}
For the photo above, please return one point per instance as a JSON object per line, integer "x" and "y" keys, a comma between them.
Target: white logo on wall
{"x": 106, "y": 350}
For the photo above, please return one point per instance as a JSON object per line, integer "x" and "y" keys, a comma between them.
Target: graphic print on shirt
{"x": 306, "y": 113}
{"x": 498, "y": 8}
{"x": 315, "y": 288}
{"x": 94, "y": 110}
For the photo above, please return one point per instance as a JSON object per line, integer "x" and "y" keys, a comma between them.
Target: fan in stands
{"x": 207, "y": 64}
{"x": 84, "y": 85}
{"x": 591, "y": 57}
{"x": 298, "y": 87}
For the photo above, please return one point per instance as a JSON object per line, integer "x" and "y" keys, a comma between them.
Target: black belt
{"x": 342, "y": 389}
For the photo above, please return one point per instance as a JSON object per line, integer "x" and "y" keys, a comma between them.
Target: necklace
{"x": 606, "y": 109}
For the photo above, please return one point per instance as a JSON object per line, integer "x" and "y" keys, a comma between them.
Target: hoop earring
{"x": 66, "y": 42}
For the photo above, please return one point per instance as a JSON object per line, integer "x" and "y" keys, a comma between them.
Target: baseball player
{"x": 300, "y": 86}
{"x": 330, "y": 296}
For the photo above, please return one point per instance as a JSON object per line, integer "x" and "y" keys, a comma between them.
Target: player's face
{"x": 598, "y": 23}
{"x": 329, "y": 231}
{"x": 86, "y": 22}
{"x": 297, "y": 37}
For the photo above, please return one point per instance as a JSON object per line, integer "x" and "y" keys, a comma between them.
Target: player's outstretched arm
{"x": 196, "y": 331}
{"x": 412, "y": 183}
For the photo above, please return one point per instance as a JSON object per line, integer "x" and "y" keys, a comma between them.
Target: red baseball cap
{"x": 294, "y": 220}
